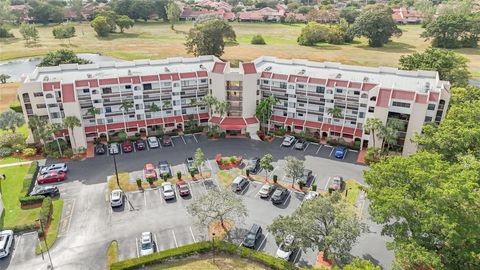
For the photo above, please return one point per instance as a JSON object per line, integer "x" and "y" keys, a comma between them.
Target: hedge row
{"x": 29, "y": 178}
{"x": 24, "y": 201}
{"x": 45, "y": 213}
{"x": 202, "y": 247}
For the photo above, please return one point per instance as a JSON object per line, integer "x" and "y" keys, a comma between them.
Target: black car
{"x": 307, "y": 177}
{"x": 141, "y": 145}
{"x": 279, "y": 195}
{"x": 166, "y": 140}
{"x": 51, "y": 191}
{"x": 100, "y": 149}
{"x": 252, "y": 236}
{"x": 239, "y": 183}
{"x": 253, "y": 165}
{"x": 190, "y": 163}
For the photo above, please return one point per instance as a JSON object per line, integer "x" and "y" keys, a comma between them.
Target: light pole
{"x": 118, "y": 182}
{"x": 213, "y": 247}
{"x": 45, "y": 240}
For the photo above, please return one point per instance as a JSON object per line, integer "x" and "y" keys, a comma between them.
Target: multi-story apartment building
{"x": 143, "y": 95}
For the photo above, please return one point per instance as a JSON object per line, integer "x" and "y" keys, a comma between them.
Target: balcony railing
{"x": 234, "y": 98}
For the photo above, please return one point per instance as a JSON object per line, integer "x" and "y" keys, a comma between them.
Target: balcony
{"x": 234, "y": 98}
{"x": 234, "y": 88}
{"x": 235, "y": 108}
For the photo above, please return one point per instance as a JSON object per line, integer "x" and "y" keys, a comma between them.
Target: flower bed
{"x": 228, "y": 162}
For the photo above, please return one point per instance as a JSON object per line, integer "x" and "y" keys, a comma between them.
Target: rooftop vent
{"x": 366, "y": 79}
{"x": 268, "y": 68}
{"x": 46, "y": 79}
{"x": 202, "y": 67}
{"x": 129, "y": 72}
{"x": 89, "y": 75}
{"x": 426, "y": 87}
{"x": 302, "y": 72}
{"x": 338, "y": 76}
{"x": 167, "y": 69}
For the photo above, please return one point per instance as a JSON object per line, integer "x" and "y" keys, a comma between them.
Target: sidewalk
{"x": 15, "y": 164}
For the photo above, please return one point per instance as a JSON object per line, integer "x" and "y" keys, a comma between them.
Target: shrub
{"x": 275, "y": 178}
{"x": 150, "y": 180}
{"x": 222, "y": 135}
{"x": 16, "y": 107}
{"x": 314, "y": 187}
{"x": 232, "y": 159}
{"x": 258, "y": 40}
{"x": 5, "y": 152}
{"x": 44, "y": 214}
{"x": 23, "y": 228}
{"x": 301, "y": 184}
{"x": 24, "y": 201}
{"x": 29, "y": 151}
{"x": 356, "y": 145}
{"x": 139, "y": 182}
{"x": 68, "y": 153}
{"x": 372, "y": 155}
{"x": 192, "y": 173}
{"x": 179, "y": 175}
{"x": 11, "y": 139}
{"x": 29, "y": 178}
{"x": 18, "y": 147}
{"x": 279, "y": 132}
{"x": 4, "y": 32}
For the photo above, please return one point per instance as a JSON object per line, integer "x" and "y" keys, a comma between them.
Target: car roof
{"x": 238, "y": 179}
{"x": 340, "y": 147}
{"x": 254, "y": 228}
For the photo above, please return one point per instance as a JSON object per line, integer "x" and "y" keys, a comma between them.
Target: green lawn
{"x": 353, "y": 188}
{"x": 11, "y": 191}
{"x": 112, "y": 253}
{"x": 9, "y": 160}
{"x": 53, "y": 229}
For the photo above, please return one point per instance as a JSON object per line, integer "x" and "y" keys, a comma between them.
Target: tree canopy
{"x": 46, "y": 11}
{"x": 454, "y": 31}
{"x": 209, "y": 38}
{"x": 62, "y": 56}
{"x": 11, "y": 120}
{"x": 63, "y": 31}
{"x": 376, "y": 24}
{"x": 101, "y": 26}
{"x": 124, "y": 22}
{"x": 450, "y": 65}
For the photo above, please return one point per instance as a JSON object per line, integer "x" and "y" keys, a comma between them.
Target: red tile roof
{"x": 278, "y": 118}
{"x": 172, "y": 119}
{"x": 295, "y": 121}
{"x": 312, "y": 124}
{"x": 233, "y": 123}
{"x": 115, "y": 125}
{"x": 149, "y": 78}
{"x": 358, "y": 132}
{"x": 202, "y": 74}
{"x": 108, "y": 81}
{"x": 203, "y": 116}
{"x": 154, "y": 121}
{"x": 215, "y": 119}
{"x": 187, "y": 75}
{"x": 219, "y": 67}
{"x": 383, "y": 99}
{"x": 280, "y": 76}
{"x": 165, "y": 77}
{"x": 138, "y": 123}
{"x": 90, "y": 129}
{"x": 266, "y": 74}
{"x": 405, "y": 95}
{"x": 68, "y": 94}
{"x": 338, "y": 83}
{"x": 317, "y": 81}
{"x": 421, "y": 98}
{"x": 355, "y": 85}
{"x": 433, "y": 96}
{"x": 251, "y": 120}
{"x": 175, "y": 77}
{"x": 249, "y": 68}
{"x": 348, "y": 130}
{"x": 368, "y": 86}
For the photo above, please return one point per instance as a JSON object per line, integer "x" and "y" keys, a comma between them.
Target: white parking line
{"x": 195, "y": 138}
{"x": 183, "y": 139}
{"x": 344, "y": 155}
{"x": 296, "y": 257}
{"x": 308, "y": 144}
{"x": 331, "y": 152}
{"x": 191, "y": 190}
{"x": 174, "y": 238}
{"x": 326, "y": 185}
{"x": 204, "y": 187}
{"x": 17, "y": 242}
{"x": 156, "y": 242}
{"x": 261, "y": 244}
{"x": 145, "y": 199}
{"x": 173, "y": 144}
{"x": 210, "y": 165}
{"x": 193, "y": 236}
{"x": 286, "y": 199}
{"x": 136, "y": 245}
{"x": 320, "y": 147}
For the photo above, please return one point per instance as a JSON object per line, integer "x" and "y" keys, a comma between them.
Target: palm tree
{"x": 193, "y": 102}
{"x": 38, "y": 127}
{"x": 93, "y": 111}
{"x": 167, "y": 104}
{"x": 390, "y": 133}
{"x": 335, "y": 112}
{"x": 154, "y": 108}
{"x": 11, "y": 120}
{"x": 264, "y": 110}
{"x": 211, "y": 103}
{"x": 373, "y": 125}
{"x": 70, "y": 122}
{"x": 222, "y": 108}
{"x": 126, "y": 106}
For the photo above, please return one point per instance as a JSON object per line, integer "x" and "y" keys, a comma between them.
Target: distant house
{"x": 70, "y": 15}
{"x": 403, "y": 15}
{"x": 261, "y": 15}
{"x": 190, "y": 14}
{"x": 89, "y": 9}
{"x": 214, "y": 5}
{"x": 22, "y": 12}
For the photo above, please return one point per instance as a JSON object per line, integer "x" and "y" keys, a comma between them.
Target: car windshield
{"x": 251, "y": 236}
{"x": 163, "y": 167}
{"x": 265, "y": 188}
{"x": 146, "y": 246}
{"x": 149, "y": 171}
{"x": 167, "y": 188}
{"x": 183, "y": 187}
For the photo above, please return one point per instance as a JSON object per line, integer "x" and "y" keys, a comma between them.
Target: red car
{"x": 182, "y": 188}
{"x": 127, "y": 146}
{"x": 149, "y": 171}
{"x": 51, "y": 177}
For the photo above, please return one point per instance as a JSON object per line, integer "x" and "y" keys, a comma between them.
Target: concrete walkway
{"x": 15, "y": 164}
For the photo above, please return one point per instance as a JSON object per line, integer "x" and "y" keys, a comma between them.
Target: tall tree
{"x": 209, "y": 38}
{"x": 430, "y": 207}
{"x": 141, "y": 9}
{"x": 46, "y": 11}
{"x": 173, "y": 13}
{"x": 211, "y": 103}
{"x": 101, "y": 26}
{"x": 222, "y": 108}
{"x": 450, "y": 65}
{"x": 4, "y": 78}
{"x": 376, "y": 24}
{"x": 93, "y": 111}
{"x": 11, "y": 120}
{"x": 40, "y": 128}
{"x": 294, "y": 168}
{"x": 390, "y": 133}
{"x": 218, "y": 205}
{"x": 70, "y": 122}
{"x": 454, "y": 31}
{"x": 125, "y": 107}
{"x": 264, "y": 110}
{"x": 328, "y": 224}
{"x": 373, "y": 125}
{"x": 124, "y": 22}
{"x": 62, "y": 56}
{"x": 266, "y": 164}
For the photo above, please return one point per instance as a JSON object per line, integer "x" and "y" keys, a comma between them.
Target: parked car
{"x": 307, "y": 176}
{"x": 99, "y": 149}
{"x": 127, "y": 146}
{"x": 166, "y": 140}
{"x": 280, "y": 195}
{"x": 168, "y": 191}
{"x": 51, "y": 177}
{"x": 183, "y": 188}
{"x": 301, "y": 144}
{"x": 337, "y": 183}
{"x": 116, "y": 198}
{"x": 252, "y": 236}
{"x": 190, "y": 163}
{"x": 149, "y": 171}
{"x": 49, "y": 190}
{"x": 164, "y": 169}
{"x": 141, "y": 145}
{"x": 153, "y": 142}
{"x": 57, "y": 167}
{"x": 6, "y": 240}
{"x": 340, "y": 151}
{"x": 266, "y": 190}
{"x": 311, "y": 195}
{"x": 285, "y": 249}
{"x": 288, "y": 141}
{"x": 253, "y": 165}
{"x": 114, "y": 148}
{"x": 239, "y": 183}
{"x": 147, "y": 245}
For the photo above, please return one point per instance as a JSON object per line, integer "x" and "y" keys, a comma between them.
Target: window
{"x": 353, "y": 122}
{"x": 339, "y": 91}
{"x": 184, "y": 111}
{"x": 371, "y": 109}
{"x": 265, "y": 81}
{"x": 202, "y": 108}
{"x": 203, "y": 81}
{"x": 107, "y": 90}
{"x": 300, "y": 114}
{"x": 41, "y": 106}
{"x": 284, "y": 113}
{"x": 52, "y": 105}
{"x": 38, "y": 94}
{"x": 431, "y": 107}
{"x": 108, "y": 109}
{"x": 147, "y": 86}
{"x": 131, "y": 116}
{"x": 49, "y": 95}
{"x": 329, "y": 92}
{"x": 86, "y": 91}
{"x": 320, "y": 119}
{"x": 363, "y": 105}
{"x": 301, "y": 105}
{"x": 320, "y": 89}
{"x": 428, "y": 119}
{"x": 401, "y": 104}
{"x": 128, "y": 86}
{"x": 356, "y": 93}
{"x": 361, "y": 115}
{"x": 373, "y": 99}
{"x": 364, "y": 95}
{"x": 258, "y": 92}
{"x": 55, "y": 115}
{"x": 301, "y": 86}
{"x": 283, "y": 85}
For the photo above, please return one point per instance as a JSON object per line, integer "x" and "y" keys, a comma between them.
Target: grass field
{"x": 204, "y": 263}
{"x": 156, "y": 40}
{"x": 11, "y": 191}
{"x": 53, "y": 229}
{"x": 8, "y": 92}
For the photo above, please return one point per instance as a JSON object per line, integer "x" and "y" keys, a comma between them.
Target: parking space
{"x": 177, "y": 141}
{"x": 190, "y": 139}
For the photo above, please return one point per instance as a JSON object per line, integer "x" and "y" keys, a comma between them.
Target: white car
{"x": 285, "y": 249}
{"x": 6, "y": 239}
{"x": 147, "y": 245}
{"x": 266, "y": 190}
{"x": 288, "y": 141}
{"x": 114, "y": 148}
{"x": 153, "y": 142}
{"x": 116, "y": 198}
{"x": 311, "y": 195}
{"x": 168, "y": 191}
{"x": 57, "y": 167}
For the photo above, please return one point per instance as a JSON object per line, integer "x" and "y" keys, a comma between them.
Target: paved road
{"x": 89, "y": 224}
